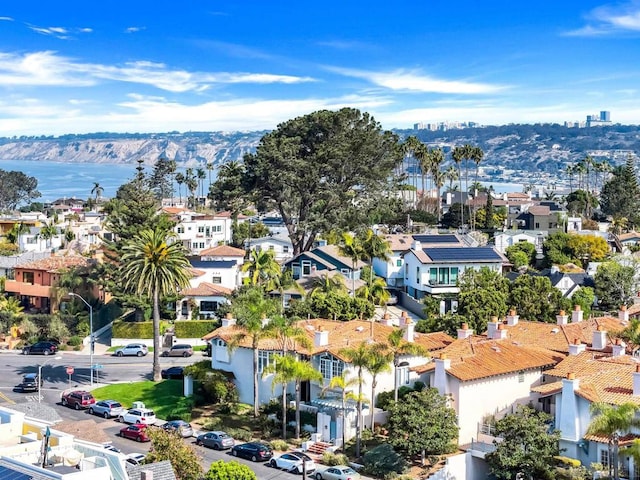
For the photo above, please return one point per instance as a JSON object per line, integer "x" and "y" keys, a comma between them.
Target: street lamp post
{"x": 91, "y": 339}
{"x": 40, "y": 376}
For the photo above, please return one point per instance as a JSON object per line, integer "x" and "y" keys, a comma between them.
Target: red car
{"x": 135, "y": 432}
{"x": 78, "y": 399}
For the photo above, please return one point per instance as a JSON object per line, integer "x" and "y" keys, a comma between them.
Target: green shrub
{"x": 133, "y": 330}
{"x": 240, "y": 434}
{"x": 194, "y": 328}
{"x": 332, "y": 459}
{"x": 229, "y": 471}
{"x": 74, "y": 341}
{"x": 182, "y": 410}
{"x": 279, "y": 445}
{"x": 212, "y": 424}
{"x": 214, "y": 386}
{"x": 382, "y": 460}
{"x": 567, "y": 462}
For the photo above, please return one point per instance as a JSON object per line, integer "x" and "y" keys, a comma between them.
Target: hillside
{"x": 526, "y": 148}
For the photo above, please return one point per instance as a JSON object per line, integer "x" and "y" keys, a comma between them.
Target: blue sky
{"x": 141, "y": 66}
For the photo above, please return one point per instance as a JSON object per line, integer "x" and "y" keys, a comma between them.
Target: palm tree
{"x": 375, "y": 290}
{"x": 303, "y": 371}
{"x": 97, "y": 190}
{"x": 378, "y": 363}
{"x": 351, "y": 247}
{"x": 437, "y": 159}
{"x": 180, "y": 179}
{"x": 262, "y": 268}
{"x": 458, "y": 155}
{"x": 343, "y": 382}
{"x": 282, "y": 369}
{"x": 399, "y": 347}
{"x": 210, "y": 167}
{"x": 359, "y": 357}
{"x": 375, "y": 246}
{"x": 326, "y": 283}
{"x": 201, "y": 175}
{"x": 47, "y": 232}
{"x": 251, "y": 308}
{"x": 155, "y": 266}
{"x": 17, "y": 229}
{"x": 451, "y": 174}
{"x": 612, "y": 421}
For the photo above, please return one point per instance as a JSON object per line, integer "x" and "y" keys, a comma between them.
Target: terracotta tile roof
{"x": 173, "y": 210}
{"x": 518, "y": 195}
{"x": 539, "y": 210}
{"x": 588, "y": 363}
{"x": 623, "y": 440}
{"x": 56, "y": 264}
{"x": 629, "y": 236}
{"x": 547, "y": 389}
{"x": 634, "y": 309}
{"x": 558, "y": 337}
{"x": 477, "y": 357}
{"x": 194, "y": 272}
{"x": 341, "y": 335}
{"x": 206, "y": 289}
{"x": 399, "y": 242}
{"x": 223, "y": 251}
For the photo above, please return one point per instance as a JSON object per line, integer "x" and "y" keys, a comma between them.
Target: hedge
{"x": 194, "y": 328}
{"x": 132, "y": 330}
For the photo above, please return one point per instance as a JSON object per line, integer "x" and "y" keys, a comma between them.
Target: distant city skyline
{"x": 78, "y": 67}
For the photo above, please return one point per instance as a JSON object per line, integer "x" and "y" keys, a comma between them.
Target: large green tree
{"x": 221, "y": 470}
{"x": 483, "y": 294}
{"x": 398, "y": 347}
{"x": 614, "y": 285}
{"x": 324, "y": 170}
{"x": 154, "y": 265}
{"x": 262, "y": 268}
{"x": 16, "y": 188}
{"x": 526, "y": 446}
{"x": 170, "y": 446}
{"x": 620, "y": 196}
{"x": 423, "y": 423}
{"x": 535, "y": 298}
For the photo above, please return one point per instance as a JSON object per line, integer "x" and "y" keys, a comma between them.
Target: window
{"x": 330, "y": 367}
{"x": 418, "y": 274}
{"x": 604, "y": 458}
{"x": 521, "y": 376}
{"x": 403, "y": 376}
{"x": 443, "y": 276}
{"x": 306, "y": 267}
{"x": 271, "y": 247}
{"x": 399, "y": 262}
{"x": 201, "y": 244}
{"x": 285, "y": 249}
{"x": 27, "y": 277}
{"x": 216, "y": 280}
{"x": 537, "y": 224}
{"x": 454, "y": 275}
{"x": 264, "y": 359}
{"x": 200, "y": 229}
{"x": 208, "y": 306}
{"x": 217, "y": 228}
{"x": 180, "y": 229}
{"x": 433, "y": 276}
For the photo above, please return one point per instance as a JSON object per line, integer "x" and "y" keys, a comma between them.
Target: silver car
{"x": 107, "y": 408}
{"x": 135, "y": 349}
{"x": 215, "y": 440}
{"x": 180, "y": 427}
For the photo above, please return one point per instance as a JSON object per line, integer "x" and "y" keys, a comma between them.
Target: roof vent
{"x": 359, "y": 329}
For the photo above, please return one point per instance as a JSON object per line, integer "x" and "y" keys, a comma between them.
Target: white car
{"x": 135, "y": 349}
{"x": 292, "y": 462}
{"x": 144, "y": 416}
{"x": 135, "y": 458}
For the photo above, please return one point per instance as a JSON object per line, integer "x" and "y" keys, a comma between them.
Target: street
{"x": 115, "y": 369}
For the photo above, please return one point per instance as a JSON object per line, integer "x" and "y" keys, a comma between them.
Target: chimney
{"x": 146, "y": 475}
{"x": 599, "y": 339}
{"x": 386, "y": 320}
{"x": 321, "y": 338}
{"x": 576, "y": 347}
{"x": 570, "y": 417}
{"x": 562, "y": 318}
{"x": 512, "y": 318}
{"x": 636, "y": 381}
{"x": 618, "y": 349}
{"x": 409, "y": 330}
{"x": 492, "y": 327}
{"x": 416, "y": 245}
{"x": 576, "y": 315}
{"x": 464, "y": 332}
{"x": 623, "y": 314}
{"x": 500, "y": 333}
{"x": 440, "y": 374}
{"x": 403, "y": 318}
{"x": 228, "y": 320}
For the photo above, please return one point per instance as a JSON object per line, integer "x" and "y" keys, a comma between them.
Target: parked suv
{"x": 138, "y": 415}
{"x": 136, "y": 349}
{"x": 30, "y": 383}
{"x": 107, "y": 408}
{"x": 179, "y": 350}
{"x": 44, "y": 348}
{"x": 78, "y": 399}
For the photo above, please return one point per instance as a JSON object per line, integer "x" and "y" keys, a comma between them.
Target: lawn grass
{"x": 161, "y": 397}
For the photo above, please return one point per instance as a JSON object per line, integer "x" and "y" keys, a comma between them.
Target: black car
{"x": 256, "y": 452}
{"x": 43, "y": 348}
{"x": 173, "y": 372}
{"x": 30, "y": 383}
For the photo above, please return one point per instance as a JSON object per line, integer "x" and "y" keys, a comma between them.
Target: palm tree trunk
{"x": 297, "y": 409}
{"x": 395, "y": 379}
{"x": 359, "y": 415}
{"x": 616, "y": 466}
{"x": 373, "y": 396}
{"x": 256, "y": 413}
{"x": 344, "y": 418}
{"x": 284, "y": 411}
{"x": 156, "y": 335}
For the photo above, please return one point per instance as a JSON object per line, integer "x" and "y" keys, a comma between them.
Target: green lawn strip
{"x": 161, "y": 397}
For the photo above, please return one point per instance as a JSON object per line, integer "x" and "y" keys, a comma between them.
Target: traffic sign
{"x": 70, "y": 370}
{"x": 97, "y": 366}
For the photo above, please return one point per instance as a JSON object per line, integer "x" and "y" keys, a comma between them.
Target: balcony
{"x": 27, "y": 289}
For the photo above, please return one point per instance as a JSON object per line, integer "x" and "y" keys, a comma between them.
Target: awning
{"x": 336, "y": 404}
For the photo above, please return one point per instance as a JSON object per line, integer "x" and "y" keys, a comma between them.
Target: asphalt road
{"x": 115, "y": 369}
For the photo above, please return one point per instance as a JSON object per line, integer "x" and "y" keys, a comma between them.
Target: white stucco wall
{"x": 390, "y": 270}
{"x": 229, "y": 277}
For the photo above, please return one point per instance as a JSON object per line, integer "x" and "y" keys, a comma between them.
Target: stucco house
{"x": 205, "y": 298}
{"x": 509, "y": 238}
{"x": 280, "y": 245}
{"x": 199, "y": 232}
{"x": 321, "y": 258}
{"x": 328, "y": 339}
{"x": 221, "y": 265}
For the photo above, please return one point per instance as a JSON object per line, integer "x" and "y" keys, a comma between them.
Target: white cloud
{"x": 610, "y": 19}
{"x": 134, "y": 29}
{"x": 62, "y": 33}
{"x": 6, "y": 19}
{"x": 415, "y": 81}
{"x": 49, "y": 68}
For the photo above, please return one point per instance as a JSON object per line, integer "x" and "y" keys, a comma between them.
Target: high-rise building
{"x": 605, "y": 116}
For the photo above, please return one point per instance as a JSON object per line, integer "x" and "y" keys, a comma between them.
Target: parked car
{"x": 135, "y": 458}
{"x": 107, "y": 408}
{"x": 135, "y": 432}
{"x": 30, "y": 383}
{"x": 145, "y": 416}
{"x": 207, "y": 350}
{"x": 111, "y": 448}
{"x": 173, "y": 373}
{"x": 254, "y": 451}
{"x": 43, "y": 348}
{"x": 293, "y": 462}
{"x": 134, "y": 349}
{"x": 215, "y": 440}
{"x": 339, "y": 472}
{"x": 179, "y": 350}
{"x": 179, "y": 426}
{"x": 78, "y": 399}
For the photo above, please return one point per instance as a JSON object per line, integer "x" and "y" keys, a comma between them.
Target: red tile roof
{"x": 56, "y": 264}
{"x": 206, "y": 289}
{"x": 223, "y": 251}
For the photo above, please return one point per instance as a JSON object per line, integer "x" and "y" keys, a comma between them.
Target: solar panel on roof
{"x": 461, "y": 254}
{"x": 436, "y": 238}
{"x": 10, "y": 474}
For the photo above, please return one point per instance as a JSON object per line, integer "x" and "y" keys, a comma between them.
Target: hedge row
{"x": 194, "y": 328}
{"x": 132, "y": 330}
